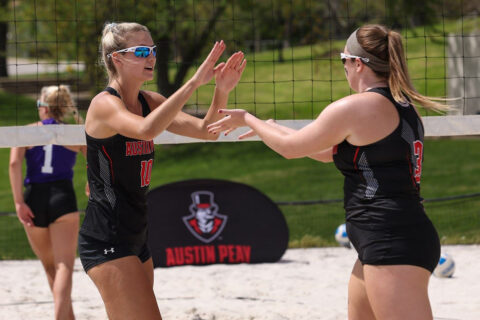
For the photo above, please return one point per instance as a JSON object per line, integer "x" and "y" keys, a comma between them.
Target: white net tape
{"x": 18, "y": 136}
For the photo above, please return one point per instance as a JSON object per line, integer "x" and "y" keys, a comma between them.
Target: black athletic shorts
{"x": 416, "y": 245}
{"x": 94, "y": 252}
{"x": 50, "y": 200}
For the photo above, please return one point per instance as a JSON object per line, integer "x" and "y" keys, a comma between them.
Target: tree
{"x": 3, "y": 38}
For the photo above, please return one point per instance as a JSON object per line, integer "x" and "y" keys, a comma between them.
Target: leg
{"x": 358, "y": 304}
{"x": 64, "y": 234}
{"x": 39, "y": 239}
{"x": 398, "y": 292}
{"x": 126, "y": 289}
{"x": 148, "y": 267}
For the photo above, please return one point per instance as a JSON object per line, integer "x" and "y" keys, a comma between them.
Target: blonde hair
{"x": 60, "y": 103}
{"x": 387, "y": 45}
{"x": 114, "y": 38}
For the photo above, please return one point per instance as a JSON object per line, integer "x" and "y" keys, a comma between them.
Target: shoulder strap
{"x": 141, "y": 98}
{"x": 145, "y": 106}
{"x": 112, "y": 92}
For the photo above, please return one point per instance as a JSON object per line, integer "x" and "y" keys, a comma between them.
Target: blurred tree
{"x": 4, "y": 11}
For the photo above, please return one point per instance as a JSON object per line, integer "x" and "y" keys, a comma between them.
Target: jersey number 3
{"x": 418, "y": 150}
{"x": 146, "y": 172}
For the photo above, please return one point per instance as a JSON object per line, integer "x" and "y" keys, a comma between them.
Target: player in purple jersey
{"x": 375, "y": 138}
{"x": 121, "y": 123}
{"x": 48, "y": 207}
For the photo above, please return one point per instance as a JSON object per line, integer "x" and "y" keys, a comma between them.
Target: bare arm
{"x": 330, "y": 128}
{"x": 322, "y": 156}
{"x": 24, "y": 213}
{"x": 108, "y": 111}
{"x": 227, "y": 76}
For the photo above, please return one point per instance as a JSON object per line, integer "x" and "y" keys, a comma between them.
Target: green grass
{"x": 450, "y": 168}
{"x": 285, "y": 91}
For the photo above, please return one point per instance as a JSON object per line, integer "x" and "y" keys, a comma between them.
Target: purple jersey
{"x": 49, "y": 163}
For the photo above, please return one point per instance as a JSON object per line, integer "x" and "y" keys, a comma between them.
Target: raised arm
{"x": 108, "y": 111}
{"x": 227, "y": 76}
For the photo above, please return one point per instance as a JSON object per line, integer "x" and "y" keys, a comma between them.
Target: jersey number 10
{"x": 146, "y": 172}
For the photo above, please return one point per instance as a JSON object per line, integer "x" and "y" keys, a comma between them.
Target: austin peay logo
{"x": 204, "y": 222}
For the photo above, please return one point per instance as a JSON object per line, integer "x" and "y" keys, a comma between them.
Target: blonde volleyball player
{"x": 120, "y": 126}
{"x": 375, "y": 138}
{"x": 48, "y": 207}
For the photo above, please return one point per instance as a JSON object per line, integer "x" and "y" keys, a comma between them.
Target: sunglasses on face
{"x": 41, "y": 104}
{"x": 345, "y": 56}
{"x": 139, "y": 51}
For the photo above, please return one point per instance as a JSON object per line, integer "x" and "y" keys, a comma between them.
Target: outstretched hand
{"x": 228, "y": 74}
{"x": 207, "y": 69}
{"x": 234, "y": 118}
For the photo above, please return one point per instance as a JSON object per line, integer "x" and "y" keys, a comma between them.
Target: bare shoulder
{"x": 154, "y": 99}
{"x": 35, "y": 124}
{"x": 103, "y": 104}
{"x": 364, "y": 103}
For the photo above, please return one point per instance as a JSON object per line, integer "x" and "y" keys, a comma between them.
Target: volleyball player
{"x": 48, "y": 208}
{"x": 375, "y": 138}
{"x": 120, "y": 126}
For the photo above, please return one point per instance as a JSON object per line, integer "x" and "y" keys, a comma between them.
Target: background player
{"x": 48, "y": 208}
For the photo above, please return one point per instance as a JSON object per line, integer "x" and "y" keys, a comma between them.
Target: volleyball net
{"x": 294, "y": 71}
{"x": 292, "y": 48}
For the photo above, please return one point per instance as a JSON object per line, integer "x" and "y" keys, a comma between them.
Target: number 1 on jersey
{"x": 146, "y": 172}
{"x": 47, "y": 162}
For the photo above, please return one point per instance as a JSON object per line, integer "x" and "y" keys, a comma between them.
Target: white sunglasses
{"x": 345, "y": 56}
{"x": 139, "y": 51}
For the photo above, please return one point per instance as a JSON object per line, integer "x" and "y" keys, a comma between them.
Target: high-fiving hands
{"x": 228, "y": 74}
{"x": 234, "y": 118}
{"x": 207, "y": 69}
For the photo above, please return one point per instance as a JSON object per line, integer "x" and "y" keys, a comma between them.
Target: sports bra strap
{"x": 141, "y": 98}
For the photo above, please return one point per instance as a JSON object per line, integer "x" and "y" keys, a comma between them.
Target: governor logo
{"x": 204, "y": 222}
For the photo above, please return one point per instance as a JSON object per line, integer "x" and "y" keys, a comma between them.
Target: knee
{"x": 50, "y": 269}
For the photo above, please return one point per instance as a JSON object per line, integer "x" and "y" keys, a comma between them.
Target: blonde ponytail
{"x": 60, "y": 103}
{"x": 387, "y": 45}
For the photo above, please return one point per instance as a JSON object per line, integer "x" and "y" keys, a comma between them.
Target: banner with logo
{"x": 198, "y": 222}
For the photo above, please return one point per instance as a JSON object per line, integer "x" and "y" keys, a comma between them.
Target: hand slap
{"x": 234, "y": 118}
{"x": 206, "y": 70}
{"x": 228, "y": 75}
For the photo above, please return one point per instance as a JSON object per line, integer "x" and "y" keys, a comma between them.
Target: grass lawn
{"x": 299, "y": 88}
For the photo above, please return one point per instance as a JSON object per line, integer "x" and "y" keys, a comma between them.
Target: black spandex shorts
{"x": 50, "y": 200}
{"x": 416, "y": 245}
{"x": 94, "y": 252}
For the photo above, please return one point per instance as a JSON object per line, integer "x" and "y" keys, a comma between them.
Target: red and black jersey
{"x": 382, "y": 179}
{"x": 119, "y": 170}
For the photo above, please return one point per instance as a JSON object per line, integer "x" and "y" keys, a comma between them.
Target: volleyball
{"x": 341, "y": 236}
{"x": 445, "y": 267}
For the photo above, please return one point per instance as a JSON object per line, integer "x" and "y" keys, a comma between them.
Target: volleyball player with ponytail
{"x": 48, "y": 207}
{"x": 121, "y": 123}
{"x": 375, "y": 138}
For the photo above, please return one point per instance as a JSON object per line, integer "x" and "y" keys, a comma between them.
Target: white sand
{"x": 305, "y": 284}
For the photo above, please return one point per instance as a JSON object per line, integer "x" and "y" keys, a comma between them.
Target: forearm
{"x": 15, "y": 172}
{"x": 219, "y": 101}
{"x": 159, "y": 119}
{"x": 272, "y": 135}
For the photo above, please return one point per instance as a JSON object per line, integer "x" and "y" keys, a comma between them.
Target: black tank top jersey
{"x": 382, "y": 179}
{"x": 119, "y": 170}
